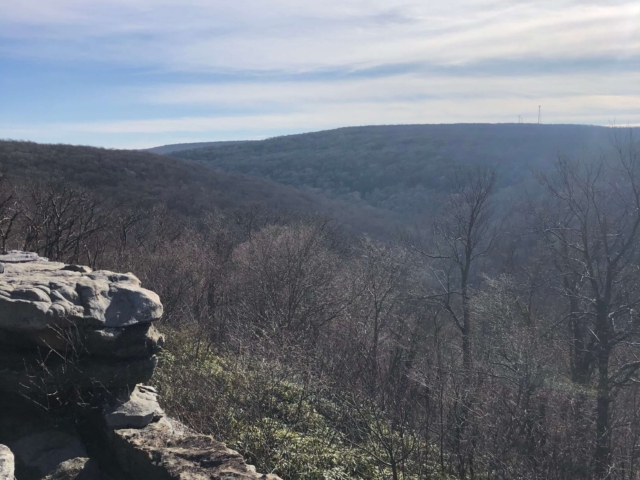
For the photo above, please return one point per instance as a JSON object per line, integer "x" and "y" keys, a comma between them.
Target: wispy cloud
{"x": 298, "y": 35}
{"x": 255, "y": 66}
{"x": 392, "y": 88}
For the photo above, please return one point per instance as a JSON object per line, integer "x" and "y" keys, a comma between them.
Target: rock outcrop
{"x": 166, "y": 450}
{"x": 134, "y": 410}
{"x": 81, "y": 343}
{"x": 99, "y": 324}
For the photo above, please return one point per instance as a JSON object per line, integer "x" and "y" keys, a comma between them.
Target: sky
{"x": 142, "y": 73}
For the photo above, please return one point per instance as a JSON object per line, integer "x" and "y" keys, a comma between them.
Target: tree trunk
{"x": 602, "y": 456}
{"x": 466, "y": 336}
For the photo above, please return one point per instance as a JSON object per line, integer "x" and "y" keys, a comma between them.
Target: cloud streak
{"x": 298, "y": 35}
{"x": 272, "y": 66}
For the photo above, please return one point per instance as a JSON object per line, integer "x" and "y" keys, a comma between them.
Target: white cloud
{"x": 389, "y": 89}
{"x": 506, "y": 109}
{"x": 301, "y": 35}
{"x": 302, "y": 65}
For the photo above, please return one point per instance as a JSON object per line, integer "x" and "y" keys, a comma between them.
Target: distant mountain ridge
{"x": 401, "y": 168}
{"x": 176, "y": 147}
{"x": 371, "y": 179}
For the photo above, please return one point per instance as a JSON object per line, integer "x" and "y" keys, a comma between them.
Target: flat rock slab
{"x": 36, "y": 294}
{"x": 162, "y": 452}
{"x": 7, "y": 463}
{"x": 19, "y": 256}
{"x": 136, "y": 410}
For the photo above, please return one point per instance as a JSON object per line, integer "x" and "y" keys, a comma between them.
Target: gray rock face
{"x": 71, "y": 338}
{"x": 19, "y": 256}
{"x": 136, "y": 410}
{"x": 137, "y": 341}
{"x": 81, "y": 468}
{"x": 7, "y": 463}
{"x": 165, "y": 450}
{"x": 65, "y": 327}
{"x": 35, "y": 374}
{"x": 36, "y": 294}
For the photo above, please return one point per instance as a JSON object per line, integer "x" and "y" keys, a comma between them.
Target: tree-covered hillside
{"x": 176, "y": 147}
{"x": 132, "y": 177}
{"x": 401, "y": 168}
{"x": 476, "y": 346}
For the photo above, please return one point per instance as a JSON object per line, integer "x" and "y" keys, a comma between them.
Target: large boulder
{"x": 36, "y": 294}
{"x": 66, "y": 329}
{"x": 82, "y": 341}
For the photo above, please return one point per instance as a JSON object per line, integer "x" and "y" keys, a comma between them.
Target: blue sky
{"x": 140, "y": 73}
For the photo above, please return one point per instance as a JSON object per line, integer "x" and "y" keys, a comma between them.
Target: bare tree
{"x": 10, "y": 210}
{"x": 593, "y": 227}
{"x": 288, "y": 278}
{"x": 60, "y": 219}
{"x": 390, "y": 436}
{"x": 463, "y": 235}
{"x": 379, "y": 306}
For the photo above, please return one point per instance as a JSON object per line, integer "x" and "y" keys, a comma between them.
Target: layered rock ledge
{"x": 66, "y": 328}
{"x": 82, "y": 342}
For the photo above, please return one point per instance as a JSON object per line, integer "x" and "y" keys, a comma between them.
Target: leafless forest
{"x": 489, "y": 341}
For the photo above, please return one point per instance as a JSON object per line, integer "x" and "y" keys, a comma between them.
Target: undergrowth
{"x": 280, "y": 421}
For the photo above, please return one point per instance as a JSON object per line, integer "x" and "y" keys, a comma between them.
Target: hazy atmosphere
{"x": 335, "y": 240}
{"x": 141, "y": 73}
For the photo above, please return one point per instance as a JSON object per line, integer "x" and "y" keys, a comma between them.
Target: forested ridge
{"x": 143, "y": 179}
{"x": 490, "y": 340}
{"x": 403, "y": 168}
